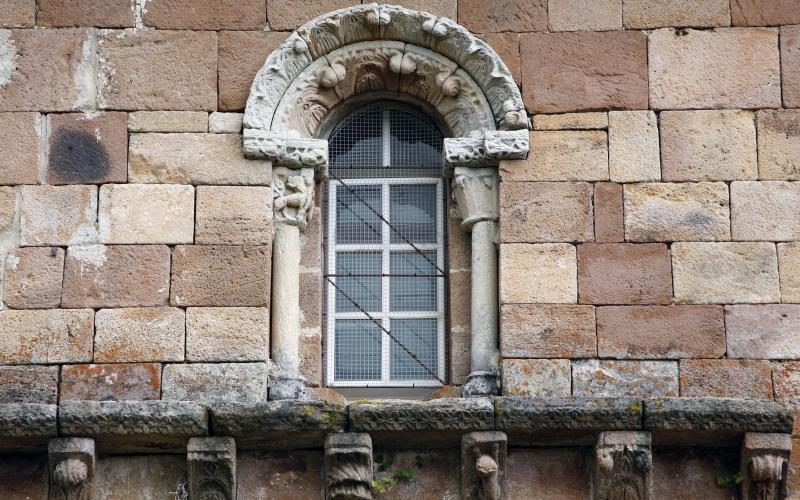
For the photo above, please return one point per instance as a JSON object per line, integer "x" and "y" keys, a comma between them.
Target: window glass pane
{"x": 357, "y": 143}
{"x": 364, "y": 286}
{"x": 413, "y": 213}
{"x": 357, "y": 209}
{"x": 358, "y": 350}
{"x": 419, "y": 337}
{"x": 413, "y": 281}
{"x": 415, "y": 142}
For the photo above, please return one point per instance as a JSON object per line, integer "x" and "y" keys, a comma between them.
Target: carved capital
{"x": 483, "y": 465}
{"x": 211, "y": 465}
{"x": 623, "y": 466}
{"x": 475, "y": 194}
{"x": 293, "y": 195}
{"x": 486, "y": 149}
{"x": 72, "y": 466}
{"x": 765, "y": 465}
{"x": 287, "y": 151}
{"x": 348, "y": 466}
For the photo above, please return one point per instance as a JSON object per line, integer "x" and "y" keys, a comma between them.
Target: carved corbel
{"x": 475, "y": 194}
{"x": 72, "y": 466}
{"x": 211, "y": 464}
{"x": 765, "y": 465}
{"x": 483, "y": 466}
{"x": 623, "y": 466}
{"x": 283, "y": 150}
{"x": 348, "y": 466}
{"x": 486, "y": 149}
{"x": 293, "y": 195}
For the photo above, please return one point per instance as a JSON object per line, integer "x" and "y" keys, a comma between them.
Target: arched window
{"x": 385, "y": 250}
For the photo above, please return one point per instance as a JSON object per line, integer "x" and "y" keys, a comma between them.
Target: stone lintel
{"x": 211, "y": 465}
{"x": 716, "y": 414}
{"x": 72, "y": 468}
{"x": 283, "y": 150}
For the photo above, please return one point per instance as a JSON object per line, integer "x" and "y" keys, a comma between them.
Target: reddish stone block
{"x": 206, "y": 14}
{"x": 17, "y": 13}
{"x": 624, "y": 273}
{"x": 28, "y": 384}
{"x": 100, "y": 13}
{"x": 19, "y": 142}
{"x": 660, "y": 332}
{"x": 33, "y": 278}
{"x": 726, "y": 378}
{"x": 583, "y": 71}
{"x": 241, "y": 55}
{"x": 111, "y": 382}
{"x": 790, "y": 65}
{"x": 506, "y": 15}
{"x": 609, "y": 224}
{"x": 46, "y": 336}
{"x": 764, "y": 12}
{"x": 116, "y": 276}
{"x": 786, "y": 377}
{"x": 88, "y": 148}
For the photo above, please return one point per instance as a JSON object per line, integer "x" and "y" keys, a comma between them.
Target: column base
{"x": 481, "y": 384}
{"x": 288, "y": 388}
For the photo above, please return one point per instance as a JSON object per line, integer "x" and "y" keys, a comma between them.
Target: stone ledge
{"x": 717, "y": 414}
{"x": 26, "y": 425}
{"x": 567, "y": 413}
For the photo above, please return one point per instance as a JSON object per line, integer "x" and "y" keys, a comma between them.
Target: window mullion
{"x": 386, "y": 136}
{"x": 386, "y": 285}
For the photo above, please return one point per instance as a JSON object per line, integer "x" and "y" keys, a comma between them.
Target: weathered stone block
{"x": 206, "y": 14}
{"x": 648, "y": 14}
{"x": 29, "y": 384}
{"x": 46, "y": 336}
{"x": 765, "y": 210}
{"x": 545, "y": 273}
{"x": 193, "y": 159}
{"x": 789, "y": 267}
{"x": 440, "y": 8}
{"x": 609, "y": 224}
{"x": 610, "y": 378}
{"x": 677, "y": 211}
{"x": 146, "y": 213}
{"x": 58, "y": 215}
{"x": 764, "y": 12}
{"x": 8, "y": 216}
{"x": 577, "y": 15}
{"x": 168, "y": 121}
{"x": 289, "y": 15}
{"x": 509, "y": 15}
{"x": 633, "y": 147}
{"x": 225, "y": 123}
{"x": 763, "y": 331}
{"x": 786, "y": 377}
{"x": 779, "y": 143}
{"x": 116, "y": 276}
{"x": 120, "y": 477}
{"x": 234, "y": 215}
{"x": 90, "y": 148}
{"x": 527, "y": 414}
{"x": 554, "y": 472}
{"x": 507, "y": 47}
{"x": 726, "y": 378}
{"x": 216, "y": 275}
{"x": 624, "y": 273}
{"x": 790, "y": 65}
{"x": 28, "y": 420}
{"x": 723, "y": 68}
{"x": 583, "y": 71}
{"x": 131, "y": 335}
{"x": 241, "y": 55}
{"x": 547, "y": 331}
{"x": 546, "y": 211}
{"x": 17, "y": 13}
{"x": 227, "y": 334}
{"x": 111, "y": 382}
{"x": 246, "y": 382}
{"x": 536, "y": 377}
{"x": 33, "y": 278}
{"x": 660, "y": 332}
{"x": 716, "y": 414}
{"x": 558, "y": 155}
{"x": 708, "y": 145}
{"x": 592, "y": 120}
{"x": 303, "y": 478}
{"x": 211, "y": 465}
{"x": 100, "y": 13}
{"x": 19, "y": 141}
{"x": 147, "y": 69}
{"x": 456, "y": 414}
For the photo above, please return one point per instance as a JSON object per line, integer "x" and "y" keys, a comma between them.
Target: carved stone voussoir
{"x": 483, "y": 465}
{"x": 717, "y": 414}
{"x": 567, "y": 413}
{"x": 348, "y": 466}
{"x": 475, "y": 194}
{"x": 438, "y": 415}
{"x": 293, "y": 195}
{"x": 623, "y": 466}
{"x": 486, "y": 149}
{"x": 211, "y": 465}
{"x": 72, "y": 466}
{"x": 285, "y": 151}
{"x": 765, "y": 465}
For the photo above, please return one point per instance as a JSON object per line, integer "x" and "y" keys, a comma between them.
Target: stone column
{"x": 72, "y": 465}
{"x": 211, "y": 466}
{"x": 765, "y": 465}
{"x": 483, "y": 465}
{"x": 348, "y": 466}
{"x": 623, "y": 466}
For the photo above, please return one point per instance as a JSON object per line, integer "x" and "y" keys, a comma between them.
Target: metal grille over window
{"x": 385, "y": 243}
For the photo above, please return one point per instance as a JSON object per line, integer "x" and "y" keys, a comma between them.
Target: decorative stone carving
{"x": 72, "y": 466}
{"x": 437, "y": 415}
{"x": 475, "y": 194}
{"x": 486, "y": 149}
{"x": 483, "y": 466}
{"x": 211, "y": 465}
{"x": 285, "y": 151}
{"x": 623, "y": 466}
{"x": 293, "y": 195}
{"x": 342, "y": 27}
{"x": 348, "y": 466}
{"x": 765, "y": 465}
{"x": 521, "y": 414}
{"x": 132, "y": 418}
{"x": 28, "y": 420}
{"x": 717, "y": 414}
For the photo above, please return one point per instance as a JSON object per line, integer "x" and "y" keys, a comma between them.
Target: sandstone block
{"x": 507, "y": 15}
{"x": 111, "y": 382}
{"x": 50, "y": 70}
{"x": 708, "y": 273}
{"x": 536, "y": 377}
{"x": 578, "y": 15}
{"x": 609, "y": 225}
{"x": 46, "y": 336}
{"x": 225, "y": 123}
{"x": 723, "y": 68}
{"x": 116, "y": 276}
{"x": 609, "y": 378}
{"x": 168, "y": 121}
{"x": 311, "y": 355}
{"x": 547, "y": 331}
{"x": 786, "y": 377}
{"x": 764, "y": 12}
{"x": 87, "y": 148}
{"x": 583, "y": 71}
{"x": 546, "y": 211}
{"x": 660, "y": 332}
{"x": 139, "y": 334}
{"x": 206, "y": 14}
{"x": 17, "y": 13}
{"x": 215, "y": 275}
{"x": 624, "y": 273}
{"x": 193, "y": 159}
{"x": 58, "y": 215}
{"x": 633, "y": 148}
{"x": 29, "y": 384}
{"x": 765, "y": 210}
{"x": 33, "y": 278}
{"x": 593, "y": 120}
{"x": 562, "y": 155}
{"x": 288, "y": 15}
{"x": 675, "y": 212}
{"x": 19, "y": 141}
{"x": 311, "y": 287}
{"x": 763, "y": 331}
{"x": 227, "y": 334}
{"x": 98, "y": 13}
{"x": 241, "y": 55}
{"x": 708, "y": 145}
{"x": 648, "y": 14}
{"x": 790, "y": 65}
{"x": 8, "y": 207}
{"x": 507, "y": 47}
{"x": 146, "y": 213}
{"x": 441, "y": 8}
{"x": 545, "y": 273}
{"x": 779, "y": 144}
{"x": 245, "y": 382}
{"x": 234, "y": 215}
{"x": 789, "y": 267}
{"x": 726, "y": 378}
{"x": 147, "y": 69}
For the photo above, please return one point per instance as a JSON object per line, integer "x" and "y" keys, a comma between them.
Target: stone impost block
{"x": 146, "y": 214}
{"x": 19, "y": 141}
{"x": 790, "y": 65}
{"x": 535, "y": 212}
{"x": 517, "y": 414}
{"x": 448, "y": 415}
{"x": 227, "y": 334}
{"x": 623, "y": 465}
{"x": 613, "y": 378}
{"x": 46, "y": 336}
{"x": 348, "y": 466}
{"x": 168, "y": 121}
{"x": 648, "y": 14}
{"x": 72, "y": 468}
{"x": 716, "y": 414}
{"x": 28, "y": 384}
{"x": 547, "y": 331}
{"x": 211, "y": 466}
{"x": 727, "y": 378}
{"x": 633, "y": 146}
{"x": 33, "y": 277}
{"x": 769, "y": 331}
{"x": 765, "y": 465}
{"x": 543, "y": 273}
{"x": 27, "y": 420}
{"x": 483, "y": 465}
{"x": 111, "y": 382}
{"x": 779, "y": 141}
{"x": 536, "y": 377}
{"x": 215, "y": 382}
{"x": 765, "y": 210}
{"x": 511, "y": 15}
{"x": 58, "y": 215}
{"x": 234, "y": 215}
